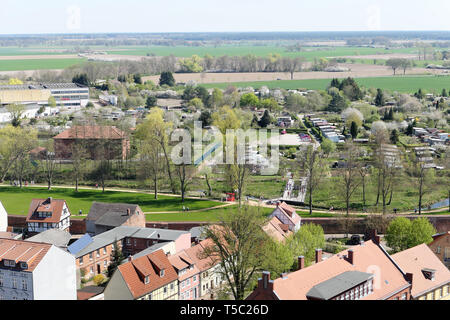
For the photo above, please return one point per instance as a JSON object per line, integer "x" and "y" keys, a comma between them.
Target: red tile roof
{"x": 369, "y": 258}
{"x": 414, "y": 260}
{"x": 55, "y": 206}
{"x": 182, "y": 261}
{"x": 196, "y": 254}
{"x": 23, "y": 251}
{"x": 276, "y": 229}
{"x": 134, "y": 272}
{"x": 92, "y": 132}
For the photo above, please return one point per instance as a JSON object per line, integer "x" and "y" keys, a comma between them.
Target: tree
{"x": 16, "y": 111}
{"x": 349, "y": 181}
{"x": 337, "y": 103}
{"x": 239, "y": 245}
{"x": 137, "y": 78}
{"x": 419, "y": 94}
{"x": 185, "y": 175}
{"x": 79, "y": 156}
{"x": 380, "y": 100}
{"x": 51, "y": 102}
{"x": 151, "y": 101}
{"x": 269, "y": 103}
{"x": 354, "y": 130}
{"x": 81, "y": 79}
{"x": 279, "y": 258}
{"x": 49, "y": 164}
{"x": 216, "y": 98}
{"x": 312, "y": 166}
{"x": 422, "y": 177}
{"x": 205, "y": 118}
{"x": 265, "y": 120}
{"x": 99, "y": 279}
{"x": 403, "y": 233}
{"x": 196, "y": 103}
{"x": 249, "y": 99}
{"x": 328, "y": 147}
{"x": 116, "y": 259}
{"x": 394, "y": 63}
{"x": 192, "y": 64}
{"x": 305, "y": 242}
{"x": 444, "y": 93}
{"x": 166, "y": 78}
{"x": 394, "y": 136}
{"x": 405, "y": 64}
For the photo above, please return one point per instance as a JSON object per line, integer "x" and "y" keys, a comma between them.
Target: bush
{"x": 99, "y": 279}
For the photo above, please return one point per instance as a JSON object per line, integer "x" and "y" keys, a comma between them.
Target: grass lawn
{"x": 37, "y": 64}
{"x": 17, "y": 201}
{"x": 407, "y": 84}
{"x": 214, "y": 215}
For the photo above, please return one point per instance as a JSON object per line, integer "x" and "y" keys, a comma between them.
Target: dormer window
{"x": 429, "y": 273}
{"x": 161, "y": 273}
{"x": 147, "y": 280}
{"x": 23, "y": 265}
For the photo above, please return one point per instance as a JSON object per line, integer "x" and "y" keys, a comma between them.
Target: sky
{"x": 115, "y": 16}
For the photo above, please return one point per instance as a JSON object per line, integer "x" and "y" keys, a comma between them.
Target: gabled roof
{"x": 418, "y": 259}
{"x": 276, "y": 229}
{"x": 55, "y": 206}
{"x": 111, "y": 214}
{"x": 135, "y": 281}
{"x": 289, "y": 212}
{"x": 195, "y": 253}
{"x": 182, "y": 261}
{"x": 88, "y": 292}
{"x": 92, "y": 132}
{"x": 22, "y": 251}
{"x": 368, "y": 258}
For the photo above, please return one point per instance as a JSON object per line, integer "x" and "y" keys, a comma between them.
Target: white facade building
{"x": 3, "y": 218}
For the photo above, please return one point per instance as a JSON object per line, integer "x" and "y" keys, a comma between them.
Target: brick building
{"x": 101, "y": 142}
{"x": 441, "y": 247}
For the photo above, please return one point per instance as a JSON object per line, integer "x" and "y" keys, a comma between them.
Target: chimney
{"x": 318, "y": 255}
{"x": 130, "y": 258}
{"x": 284, "y": 275}
{"x": 351, "y": 256}
{"x": 128, "y": 212}
{"x": 265, "y": 279}
{"x": 49, "y": 200}
{"x": 301, "y": 262}
{"x": 409, "y": 277}
{"x": 374, "y": 236}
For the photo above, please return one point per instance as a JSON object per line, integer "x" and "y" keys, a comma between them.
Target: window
{"x": 146, "y": 280}
{"x": 104, "y": 250}
{"x": 128, "y": 241}
{"x": 161, "y": 273}
{"x": 24, "y": 285}
{"x": 98, "y": 253}
{"x": 404, "y": 296}
{"x": 165, "y": 289}
{"x": 80, "y": 261}
{"x": 105, "y": 263}
{"x": 90, "y": 256}
{"x": 171, "y": 286}
{"x": 439, "y": 293}
{"x": 188, "y": 281}
{"x": 438, "y": 249}
{"x": 1, "y": 281}
{"x": 92, "y": 270}
{"x": 357, "y": 293}
{"x": 194, "y": 278}
{"x": 14, "y": 283}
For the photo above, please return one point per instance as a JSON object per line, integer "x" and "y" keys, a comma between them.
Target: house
{"x": 188, "y": 276}
{"x": 441, "y": 247}
{"x": 45, "y": 214}
{"x": 210, "y": 275}
{"x": 3, "y": 218}
{"x": 287, "y": 215}
{"x": 430, "y": 277}
{"x": 276, "y": 229}
{"x": 363, "y": 272}
{"x": 93, "y": 254}
{"x": 150, "y": 277}
{"x": 36, "y": 271}
{"x": 101, "y": 142}
{"x": 106, "y": 216}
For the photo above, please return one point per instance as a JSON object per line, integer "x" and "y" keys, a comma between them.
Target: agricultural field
{"x": 404, "y": 84}
{"x": 37, "y": 64}
{"x": 17, "y": 201}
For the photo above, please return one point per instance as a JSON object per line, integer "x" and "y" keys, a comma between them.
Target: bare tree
{"x": 349, "y": 181}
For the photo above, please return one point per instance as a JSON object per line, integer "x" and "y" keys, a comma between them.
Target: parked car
{"x": 355, "y": 239}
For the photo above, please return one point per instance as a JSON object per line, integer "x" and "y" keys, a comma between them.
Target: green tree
{"x": 305, "y": 242}
{"x": 249, "y": 100}
{"x": 166, "y": 78}
{"x": 15, "y": 111}
{"x": 394, "y": 136}
{"x": 116, "y": 259}
{"x": 151, "y": 101}
{"x": 265, "y": 120}
{"x": 279, "y": 258}
{"x": 328, "y": 147}
{"x": 354, "y": 130}
{"x": 81, "y": 79}
{"x": 403, "y": 233}
{"x": 337, "y": 103}
{"x": 380, "y": 100}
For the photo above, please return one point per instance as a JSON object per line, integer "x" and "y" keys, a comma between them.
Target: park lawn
{"x": 406, "y": 84}
{"x": 405, "y": 195}
{"x": 38, "y": 64}
{"x": 17, "y": 201}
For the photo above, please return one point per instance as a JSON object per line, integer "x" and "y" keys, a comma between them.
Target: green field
{"x": 17, "y": 201}
{"x": 407, "y": 84}
{"x": 262, "y": 51}
{"x": 37, "y": 64}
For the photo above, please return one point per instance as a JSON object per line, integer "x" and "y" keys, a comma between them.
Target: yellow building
{"x": 430, "y": 278}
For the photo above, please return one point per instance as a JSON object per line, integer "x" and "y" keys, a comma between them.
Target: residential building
{"x": 150, "y": 277}
{"x": 287, "y": 215}
{"x": 101, "y": 142}
{"x": 45, "y": 214}
{"x": 430, "y": 278}
{"x": 106, "y": 216}
{"x": 3, "y": 218}
{"x": 210, "y": 275}
{"x": 363, "y": 272}
{"x": 188, "y": 276}
{"x": 441, "y": 247}
{"x": 36, "y": 271}
{"x": 277, "y": 230}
